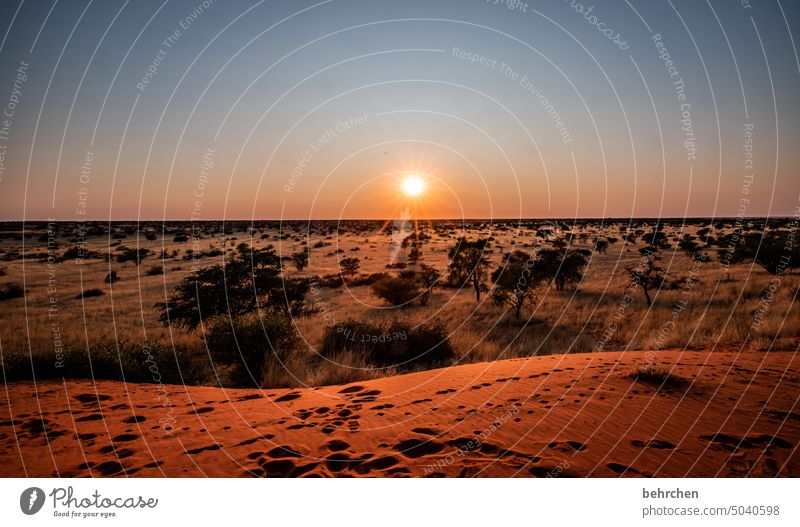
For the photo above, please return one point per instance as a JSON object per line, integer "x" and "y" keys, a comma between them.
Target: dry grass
{"x": 715, "y": 312}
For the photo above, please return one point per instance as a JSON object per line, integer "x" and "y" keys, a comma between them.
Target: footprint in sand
{"x": 426, "y": 431}
{"x": 251, "y": 396}
{"x": 90, "y": 417}
{"x": 288, "y": 397}
{"x": 624, "y": 470}
{"x": 193, "y": 451}
{"x": 108, "y": 468}
{"x": 567, "y": 446}
{"x": 280, "y": 468}
{"x": 415, "y": 448}
{"x": 338, "y": 462}
{"x": 283, "y": 451}
{"x": 92, "y": 398}
{"x": 337, "y": 445}
{"x": 352, "y": 389}
{"x": 124, "y": 437}
{"x": 652, "y": 443}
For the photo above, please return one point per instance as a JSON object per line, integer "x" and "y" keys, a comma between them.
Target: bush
{"x": 250, "y": 346}
{"x": 155, "y": 270}
{"x": 396, "y": 345}
{"x": 76, "y": 251}
{"x": 111, "y": 278}
{"x": 89, "y": 293}
{"x": 366, "y": 279}
{"x": 396, "y": 291}
{"x": 649, "y": 373}
{"x": 332, "y": 281}
{"x": 11, "y": 290}
{"x": 109, "y": 361}
{"x": 349, "y": 266}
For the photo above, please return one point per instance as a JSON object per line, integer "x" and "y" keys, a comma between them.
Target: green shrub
{"x": 249, "y": 346}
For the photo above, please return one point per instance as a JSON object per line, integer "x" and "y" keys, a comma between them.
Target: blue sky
{"x": 476, "y": 96}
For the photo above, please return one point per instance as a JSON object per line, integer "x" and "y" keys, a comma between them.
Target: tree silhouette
{"x": 133, "y": 255}
{"x": 349, "y": 266}
{"x": 775, "y": 251}
{"x": 564, "y": 267}
{"x": 300, "y": 259}
{"x": 647, "y": 275}
{"x": 468, "y": 264}
{"x": 427, "y": 278}
{"x": 515, "y": 282}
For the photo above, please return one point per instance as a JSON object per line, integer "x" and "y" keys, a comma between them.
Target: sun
{"x": 413, "y": 186}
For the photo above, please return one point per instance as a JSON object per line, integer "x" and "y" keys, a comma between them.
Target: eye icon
{"x": 31, "y": 500}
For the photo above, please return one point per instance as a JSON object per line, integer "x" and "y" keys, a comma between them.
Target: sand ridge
{"x": 554, "y": 416}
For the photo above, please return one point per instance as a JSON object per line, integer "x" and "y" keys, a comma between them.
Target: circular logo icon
{"x": 31, "y": 500}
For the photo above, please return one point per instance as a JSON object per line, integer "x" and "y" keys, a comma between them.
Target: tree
{"x": 689, "y": 245}
{"x": 515, "y": 282}
{"x": 564, "y": 267}
{"x": 657, "y": 239}
{"x": 775, "y": 251}
{"x": 291, "y": 299}
{"x": 468, "y": 264}
{"x": 250, "y": 278}
{"x": 133, "y": 255}
{"x": 398, "y": 291}
{"x": 300, "y": 259}
{"x": 601, "y": 245}
{"x": 647, "y": 275}
{"x": 415, "y": 253}
{"x": 427, "y": 278}
{"x": 349, "y": 266}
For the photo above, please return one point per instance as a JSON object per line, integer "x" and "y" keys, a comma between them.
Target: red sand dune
{"x": 575, "y": 415}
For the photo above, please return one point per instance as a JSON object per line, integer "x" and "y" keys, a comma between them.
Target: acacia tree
{"x": 689, "y": 245}
{"x": 468, "y": 264}
{"x": 133, "y": 255}
{"x": 349, "y": 266}
{"x": 427, "y": 278}
{"x": 648, "y": 275}
{"x": 291, "y": 299}
{"x": 250, "y": 278}
{"x": 300, "y": 259}
{"x": 415, "y": 253}
{"x": 657, "y": 239}
{"x": 775, "y": 251}
{"x": 515, "y": 282}
{"x": 563, "y": 267}
{"x": 397, "y": 290}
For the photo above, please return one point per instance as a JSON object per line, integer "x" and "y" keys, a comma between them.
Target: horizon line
{"x": 497, "y": 219}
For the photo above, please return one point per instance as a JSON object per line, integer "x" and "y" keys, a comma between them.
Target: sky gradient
{"x": 203, "y": 110}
